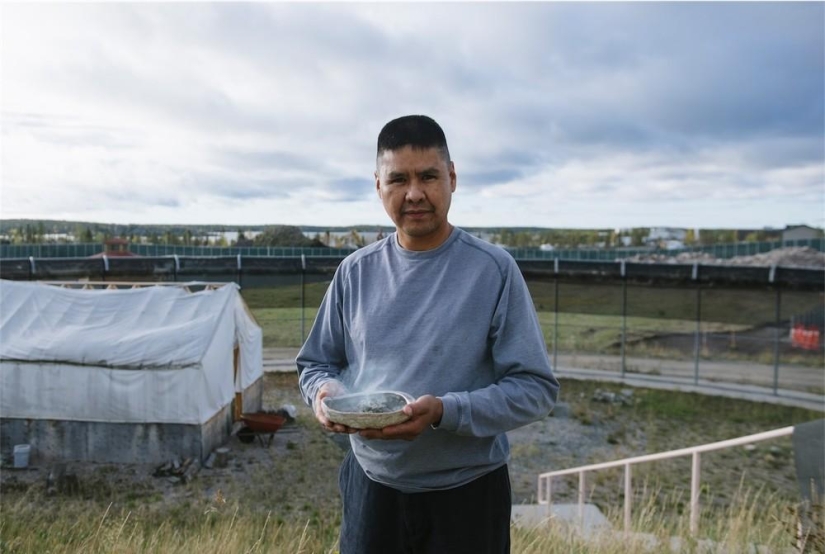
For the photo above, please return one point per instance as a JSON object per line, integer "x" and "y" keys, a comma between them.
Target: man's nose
{"x": 415, "y": 191}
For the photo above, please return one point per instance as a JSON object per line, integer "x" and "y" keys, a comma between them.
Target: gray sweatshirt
{"x": 456, "y": 322}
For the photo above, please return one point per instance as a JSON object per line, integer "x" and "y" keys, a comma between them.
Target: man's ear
{"x": 378, "y": 185}
{"x": 453, "y": 178}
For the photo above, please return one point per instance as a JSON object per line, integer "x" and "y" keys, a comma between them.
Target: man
{"x": 435, "y": 312}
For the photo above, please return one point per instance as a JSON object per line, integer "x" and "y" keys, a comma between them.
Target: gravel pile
{"x": 794, "y": 256}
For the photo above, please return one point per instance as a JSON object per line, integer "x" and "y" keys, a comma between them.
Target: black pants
{"x": 473, "y": 518}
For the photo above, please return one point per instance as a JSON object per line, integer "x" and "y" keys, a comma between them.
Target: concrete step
{"x": 279, "y": 360}
{"x": 591, "y": 521}
{"x": 279, "y": 366}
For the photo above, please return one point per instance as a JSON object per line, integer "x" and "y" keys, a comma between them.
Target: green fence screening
{"x": 82, "y": 250}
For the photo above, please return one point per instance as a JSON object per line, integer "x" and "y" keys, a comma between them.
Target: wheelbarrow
{"x": 259, "y": 425}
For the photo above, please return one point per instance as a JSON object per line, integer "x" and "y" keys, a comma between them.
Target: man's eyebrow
{"x": 426, "y": 171}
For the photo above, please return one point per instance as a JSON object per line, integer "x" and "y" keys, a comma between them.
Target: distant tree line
{"x": 613, "y": 238}
{"x": 284, "y": 235}
{"x": 41, "y": 231}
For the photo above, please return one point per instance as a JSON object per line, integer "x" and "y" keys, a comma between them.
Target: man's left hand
{"x": 425, "y": 411}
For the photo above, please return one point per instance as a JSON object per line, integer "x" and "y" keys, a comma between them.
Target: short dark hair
{"x": 418, "y": 131}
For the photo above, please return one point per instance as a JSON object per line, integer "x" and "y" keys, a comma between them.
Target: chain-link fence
{"x": 735, "y": 325}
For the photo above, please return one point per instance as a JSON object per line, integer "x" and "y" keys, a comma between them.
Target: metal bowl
{"x": 367, "y": 410}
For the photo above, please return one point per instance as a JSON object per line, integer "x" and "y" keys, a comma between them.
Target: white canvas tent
{"x": 114, "y": 365}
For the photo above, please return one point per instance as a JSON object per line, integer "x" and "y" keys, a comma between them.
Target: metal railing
{"x": 545, "y": 479}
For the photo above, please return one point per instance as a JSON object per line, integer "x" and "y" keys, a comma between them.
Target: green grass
{"x": 742, "y": 306}
{"x": 287, "y": 500}
{"x": 660, "y": 420}
{"x": 231, "y": 529}
{"x": 603, "y": 333}
{"x": 590, "y": 322}
{"x": 654, "y": 404}
{"x": 219, "y": 527}
{"x": 284, "y": 297}
{"x": 282, "y": 326}
{"x": 214, "y": 528}
{"x": 580, "y": 333}
{"x": 222, "y": 528}
{"x": 278, "y": 312}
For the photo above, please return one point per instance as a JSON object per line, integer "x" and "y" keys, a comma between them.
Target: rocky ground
{"x": 296, "y": 475}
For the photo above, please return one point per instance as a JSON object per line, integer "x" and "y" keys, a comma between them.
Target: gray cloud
{"x": 240, "y": 187}
{"x": 126, "y": 200}
{"x": 284, "y": 100}
{"x": 266, "y": 159}
{"x": 489, "y": 177}
{"x": 349, "y": 189}
{"x": 68, "y": 131}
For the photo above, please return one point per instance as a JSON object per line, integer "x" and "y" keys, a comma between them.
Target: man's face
{"x": 416, "y": 185}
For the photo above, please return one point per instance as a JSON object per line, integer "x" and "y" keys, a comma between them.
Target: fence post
{"x": 548, "y": 492}
{"x": 777, "y": 331}
{"x": 628, "y": 495}
{"x": 694, "y": 494}
{"x": 581, "y": 499}
{"x": 556, "y": 315}
{"x": 624, "y": 316}
{"x": 303, "y": 303}
{"x": 696, "y": 338}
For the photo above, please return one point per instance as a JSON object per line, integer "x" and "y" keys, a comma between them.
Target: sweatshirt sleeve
{"x": 323, "y": 355}
{"x": 526, "y": 389}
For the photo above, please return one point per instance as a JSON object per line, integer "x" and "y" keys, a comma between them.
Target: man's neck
{"x": 421, "y": 244}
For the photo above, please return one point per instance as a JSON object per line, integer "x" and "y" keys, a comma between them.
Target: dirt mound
{"x": 794, "y": 256}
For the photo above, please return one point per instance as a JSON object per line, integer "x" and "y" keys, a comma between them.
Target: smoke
{"x": 370, "y": 378}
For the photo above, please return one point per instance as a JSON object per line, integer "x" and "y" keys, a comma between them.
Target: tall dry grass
{"x": 232, "y": 530}
{"x": 753, "y": 519}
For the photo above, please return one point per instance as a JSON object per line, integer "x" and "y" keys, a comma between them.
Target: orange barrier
{"x": 807, "y": 339}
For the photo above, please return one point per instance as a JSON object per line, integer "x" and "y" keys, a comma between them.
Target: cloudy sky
{"x": 557, "y": 114}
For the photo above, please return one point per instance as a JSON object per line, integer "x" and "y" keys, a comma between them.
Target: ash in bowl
{"x": 373, "y": 410}
{"x": 382, "y": 404}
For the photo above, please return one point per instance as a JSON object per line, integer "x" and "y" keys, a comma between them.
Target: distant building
{"x": 115, "y": 248}
{"x": 666, "y": 237}
{"x": 800, "y": 232}
{"x": 230, "y": 237}
{"x": 58, "y": 237}
{"x": 666, "y": 233}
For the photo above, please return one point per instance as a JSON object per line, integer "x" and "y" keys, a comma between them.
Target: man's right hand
{"x": 330, "y": 388}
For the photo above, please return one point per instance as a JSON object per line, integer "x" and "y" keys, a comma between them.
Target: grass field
{"x": 225, "y": 529}
{"x": 591, "y": 323}
{"x": 748, "y": 307}
{"x": 290, "y": 504}
{"x": 284, "y": 499}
